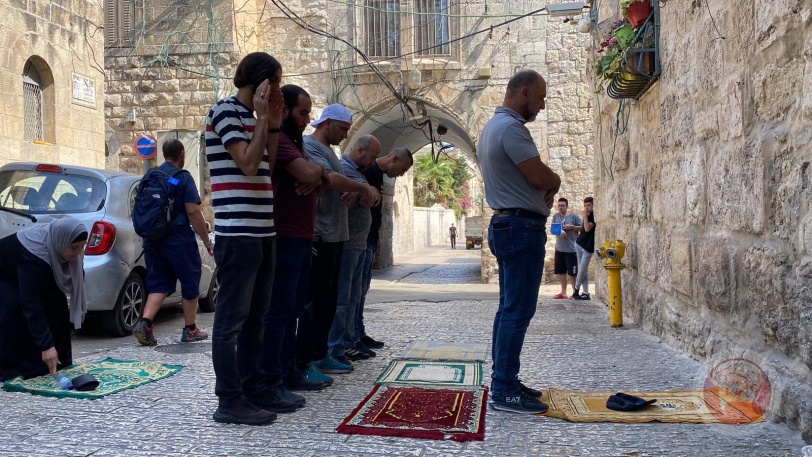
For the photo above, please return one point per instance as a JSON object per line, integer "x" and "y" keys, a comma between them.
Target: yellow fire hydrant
{"x": 612, "y": 252}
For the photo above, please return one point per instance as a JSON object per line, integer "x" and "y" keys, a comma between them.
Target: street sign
{"x": 146, "y": 146}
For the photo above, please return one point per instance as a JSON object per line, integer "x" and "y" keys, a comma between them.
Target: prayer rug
{"x": 692, "y": 406}
{"x": 113, "y": 375}
{"x": 432, "y": 373}
{"x": 415, "y": 412}
{"x": 440, "y": 350}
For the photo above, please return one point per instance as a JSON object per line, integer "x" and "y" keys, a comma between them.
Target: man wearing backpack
{"x": 173, "y": 256}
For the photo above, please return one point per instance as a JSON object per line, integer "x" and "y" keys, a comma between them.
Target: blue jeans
{"x": 294, "y": 256}
{"x": 518, "y": 245}
{"x": 342, "y": 332}
{"x": 366, "y": 280}
{"x": 245, "y": 269}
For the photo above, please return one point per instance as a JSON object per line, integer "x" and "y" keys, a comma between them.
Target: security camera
{"x": 442, "y": 130}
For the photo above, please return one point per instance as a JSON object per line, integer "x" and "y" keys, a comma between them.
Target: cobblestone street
{"x": 432, "y": 295}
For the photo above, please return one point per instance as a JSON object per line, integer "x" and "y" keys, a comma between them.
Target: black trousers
{"x": 315, "y": 323}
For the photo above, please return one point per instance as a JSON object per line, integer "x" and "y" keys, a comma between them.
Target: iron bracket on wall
{"x": 641, "y": 63}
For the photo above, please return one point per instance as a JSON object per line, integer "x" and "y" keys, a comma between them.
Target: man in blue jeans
{"x": 520, "y": 188}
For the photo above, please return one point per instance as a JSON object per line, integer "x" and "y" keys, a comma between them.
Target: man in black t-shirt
{"x": 584, "y": 248}
{"x": 394, "y": 164}
{"x": 452, "y": 233}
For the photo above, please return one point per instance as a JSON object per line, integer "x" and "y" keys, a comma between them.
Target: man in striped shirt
{"x": 241, "y": 151}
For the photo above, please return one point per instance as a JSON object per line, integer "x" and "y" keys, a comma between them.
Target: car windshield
{"x": 41, "y": 192}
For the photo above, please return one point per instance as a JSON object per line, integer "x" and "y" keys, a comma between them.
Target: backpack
{"x": 156, "y": 204}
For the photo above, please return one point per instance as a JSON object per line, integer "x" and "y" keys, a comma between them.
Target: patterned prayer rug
{"x": 432, "y": 373}
{"x": 440, "y": 350}
{"x": 415, "y": 412}
{"x": 113, "y": 375}
{"x": 692, "y": 406}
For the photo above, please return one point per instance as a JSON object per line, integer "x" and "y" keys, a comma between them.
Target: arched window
{"x": 34, "y": 113}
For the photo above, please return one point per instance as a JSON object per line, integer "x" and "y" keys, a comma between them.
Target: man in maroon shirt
{"x": 296, "y": 182}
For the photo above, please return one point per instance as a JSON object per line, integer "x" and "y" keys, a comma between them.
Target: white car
{"x": 32, "y": 193}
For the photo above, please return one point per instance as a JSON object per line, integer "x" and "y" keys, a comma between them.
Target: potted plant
{"x": 612, "y": 50}
{"x": 636, "y": 11}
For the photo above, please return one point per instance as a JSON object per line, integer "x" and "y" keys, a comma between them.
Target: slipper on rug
{"x": 626, "y": 402}
{"x": 113, "y": 376}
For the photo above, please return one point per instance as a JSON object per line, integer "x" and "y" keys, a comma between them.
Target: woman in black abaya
{"x": 39, "y": 266}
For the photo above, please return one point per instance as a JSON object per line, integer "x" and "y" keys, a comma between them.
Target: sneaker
{"x": 243, "y": 412}
{"x": 190, "y": 336}
{"x": 576, "y": 294}
{"x": 355, "y": 355}
{"x": 344, "y": 360}
{"x": 559, "y": 296}
{"x": 270, "y": 400}
{"x": 297, "y": 381}
{"x": 529, "y": 391}
{"x": 314, "y": 374}
{"x": 144, "y": 334}
{"x": 363, "y": 349}
{"x": 371, "y": 343}
{"x": 287, "y": 395}
{"x": 519, "y": 403}
{"x": 585, "y": 296}
{"x": 332, "y": 366}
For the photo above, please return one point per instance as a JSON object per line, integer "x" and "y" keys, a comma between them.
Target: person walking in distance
{"x": 566, "y": 262}
{"x": 175, "y": 258}
{"x": 520, "y": 188}
{"x": 584, "y": 248}
{"x": 241, "y": 152}
{"x": 452, "y": 233}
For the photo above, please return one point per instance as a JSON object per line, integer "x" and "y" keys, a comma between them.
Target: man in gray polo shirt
{"x": 520, "y": 189}
{"x": 330, "y": 233}
{"x": 566, "y": 262}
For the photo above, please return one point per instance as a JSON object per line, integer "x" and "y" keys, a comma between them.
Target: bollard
{"x": 612, "y": 252}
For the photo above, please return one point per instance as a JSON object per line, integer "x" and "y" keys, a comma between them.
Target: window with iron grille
{"x": 118, "y": 22}
{"x": 432, "y": 27}
{"x": 381, "y": 28}
{"x": 33, "y": 116}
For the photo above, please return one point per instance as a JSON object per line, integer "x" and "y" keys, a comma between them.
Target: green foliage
{"x": 444, "y": 182}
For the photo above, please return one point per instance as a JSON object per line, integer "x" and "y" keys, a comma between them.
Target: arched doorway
{"x": 424, "y": 122}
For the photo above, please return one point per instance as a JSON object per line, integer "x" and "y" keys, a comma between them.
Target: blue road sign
{"x": 146, "y": 146}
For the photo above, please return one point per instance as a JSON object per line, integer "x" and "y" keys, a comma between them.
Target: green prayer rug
{"x": 432, "y": 373}
{"x": 114, "y": 376}
{"x": 441, "y": 350}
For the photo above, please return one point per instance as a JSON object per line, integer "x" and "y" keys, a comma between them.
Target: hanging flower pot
{"x": 638, "y": 12}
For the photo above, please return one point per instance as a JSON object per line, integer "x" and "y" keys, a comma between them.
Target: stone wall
{"x": 431, "y": 227}
{"x": 62, "y": 41}
{"x": 712, "y": 192}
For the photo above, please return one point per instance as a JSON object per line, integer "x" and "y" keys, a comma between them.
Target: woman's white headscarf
{"x": 48, "y": 242}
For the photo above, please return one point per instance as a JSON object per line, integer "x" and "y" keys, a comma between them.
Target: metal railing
{"x": 33, "y": 117}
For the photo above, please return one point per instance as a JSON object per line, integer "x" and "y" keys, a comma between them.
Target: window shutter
{"x": 127, "y": 10}
{"x": 110, "y": 22}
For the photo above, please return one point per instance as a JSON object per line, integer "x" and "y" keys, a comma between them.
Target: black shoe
{"x": 287, "y": 395}
{"x": 362, "y": 348}
{"x": 584, "y": 296}
{"x": 297, "y": 381}
{"x": 243, "y": 412}
{"x": 576, "y": 295}
{"x": 355, "y": 355}
{"x": 371, "y": 343}
{"x": 529, "y": 391}
{"x": 272, "y": 401}
{"x": 519, "y": 403}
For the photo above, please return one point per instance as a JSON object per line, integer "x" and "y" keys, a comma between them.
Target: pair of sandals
{"x": 626, "y": 402}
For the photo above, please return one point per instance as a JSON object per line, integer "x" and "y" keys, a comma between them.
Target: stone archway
{"x": 390, "y": 122}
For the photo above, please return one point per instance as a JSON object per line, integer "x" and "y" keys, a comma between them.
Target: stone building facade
{"x": 711, "y": 189}
{"x": 52, "y": 82}
{"x": 176, "y": 62}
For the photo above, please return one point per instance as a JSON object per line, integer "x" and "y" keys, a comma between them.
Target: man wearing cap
{"x": 330, "y": 233}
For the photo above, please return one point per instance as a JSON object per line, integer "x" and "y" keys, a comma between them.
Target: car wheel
{"x": 121, "y": 320}
{"x": 209, "y": 304}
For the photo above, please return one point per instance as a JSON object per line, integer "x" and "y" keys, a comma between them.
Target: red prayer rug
{"x": 416, "y": 412}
